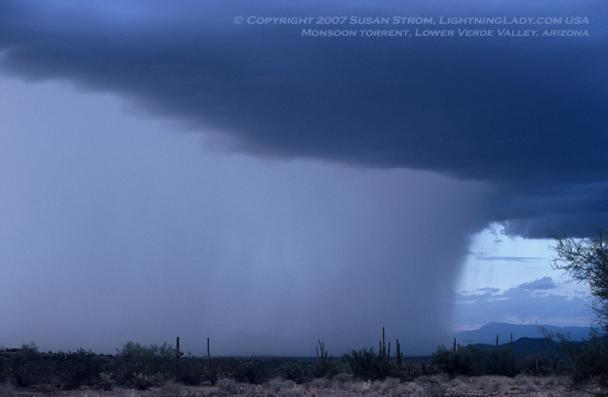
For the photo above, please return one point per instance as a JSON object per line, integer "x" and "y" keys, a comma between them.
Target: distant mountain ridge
{"x": 487, "y": 333}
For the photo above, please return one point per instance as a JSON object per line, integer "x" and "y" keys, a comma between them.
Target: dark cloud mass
{"x": 525, "y": 115}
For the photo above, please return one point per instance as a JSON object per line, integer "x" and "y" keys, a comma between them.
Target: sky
{"x": 165, "y": 171}
{"x": 511, "y": 279}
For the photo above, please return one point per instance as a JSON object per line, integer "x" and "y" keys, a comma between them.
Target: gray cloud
{"x": 526, "y": 116}
{"x": 489, "y": 289}
{"x": 521, "y": 259}
{"x": 540, "y": 284}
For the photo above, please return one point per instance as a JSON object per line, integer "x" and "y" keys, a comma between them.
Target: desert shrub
{"x": 329, "y": 368}
{"x": 141, "y": 381}
{"x": 105, "y": 382}
{"x": 367, "y": 365}
{"x": 295, "y": 371}
{"x": 3, "y": 369}
{"x": 474, "y": 361}
{"x": 461, "y": 362}
{"x": 405, "y": 372}
{"x": 591, "y": 361}
{"x": 135, "y": 360}
{"x": 28, "y": 367}
{"x": 541, "y": 365}
{"x": 500, "y": 361}
{"x": 190, "y": 371}
{"x": 251, "y": 371}
{"x": 211, "y": 372}
{"x": 76, "y": 369}
{"x": 322, "y": 369}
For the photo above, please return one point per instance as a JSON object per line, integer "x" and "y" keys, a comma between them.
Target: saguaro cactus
{"x": 383, "y": 351}
{"x": 321, "y": 351}
{"x": 383, "y": 343}
{"x": 398, "y": 352}
{"x": 178, "y": 352}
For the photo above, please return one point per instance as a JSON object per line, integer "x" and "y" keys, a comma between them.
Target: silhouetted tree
{"x": 586, "y": 260}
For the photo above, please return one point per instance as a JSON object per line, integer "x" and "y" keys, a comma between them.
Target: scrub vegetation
{"x": 552, "y": 365}
{"x": 552, "y": 360}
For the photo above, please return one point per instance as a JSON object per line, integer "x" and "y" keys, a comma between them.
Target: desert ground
{"x": 342, "y": 386}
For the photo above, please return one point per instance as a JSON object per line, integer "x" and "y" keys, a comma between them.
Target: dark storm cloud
{"x": 526, "y": 115}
